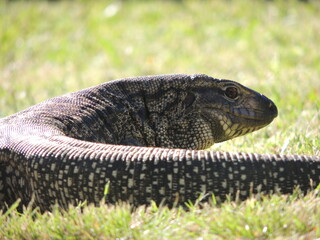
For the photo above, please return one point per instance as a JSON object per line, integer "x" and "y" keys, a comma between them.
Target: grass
{"x": 275, "y": 217}
{"x": 51, "y": 48}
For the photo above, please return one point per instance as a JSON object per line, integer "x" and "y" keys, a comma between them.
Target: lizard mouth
{"x": 246, "y": 120}
{"x": 238, "y": 121}
{"x": 252, "y": 114}
{"x": 266, "y": 115}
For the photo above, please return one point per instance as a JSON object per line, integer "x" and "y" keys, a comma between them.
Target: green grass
{"x": 267, "y": 218}
{"x": 51, "y": 48}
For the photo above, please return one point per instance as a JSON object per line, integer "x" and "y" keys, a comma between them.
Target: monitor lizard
{"x": 142, "y": 137}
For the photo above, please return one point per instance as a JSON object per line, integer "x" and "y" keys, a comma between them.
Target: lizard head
{"x": 228, "y": 109}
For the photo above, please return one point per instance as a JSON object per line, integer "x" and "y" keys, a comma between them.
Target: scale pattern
{"x": 143, "y": 137}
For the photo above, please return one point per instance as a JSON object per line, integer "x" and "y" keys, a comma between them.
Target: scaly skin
{"x": 143, "y": 137}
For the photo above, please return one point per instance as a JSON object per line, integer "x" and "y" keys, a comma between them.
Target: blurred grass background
{"x": 51, "y": 48}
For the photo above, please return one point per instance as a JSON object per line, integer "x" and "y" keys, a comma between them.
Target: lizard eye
{"x": 231, "y": 92}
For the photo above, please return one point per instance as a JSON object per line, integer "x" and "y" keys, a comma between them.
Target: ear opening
{"x": 189, "y": 99}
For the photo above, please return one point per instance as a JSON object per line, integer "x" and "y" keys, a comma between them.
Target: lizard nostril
{"x": 271, "y": 105}
{"x": 273, "y": 108}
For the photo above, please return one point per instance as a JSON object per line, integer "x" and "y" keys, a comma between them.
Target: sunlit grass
{"x": 275, "y": 217}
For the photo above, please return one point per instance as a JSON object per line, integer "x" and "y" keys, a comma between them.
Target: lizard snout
{"x": 270, "y": 109}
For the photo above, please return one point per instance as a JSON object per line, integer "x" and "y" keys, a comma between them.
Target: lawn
{"x": 51, "y": 48}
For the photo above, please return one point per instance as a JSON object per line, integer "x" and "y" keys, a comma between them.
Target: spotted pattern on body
{"x": 143, "y": 137}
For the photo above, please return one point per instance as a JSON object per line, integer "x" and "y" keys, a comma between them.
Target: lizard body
{"x": 144, "y": 137}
